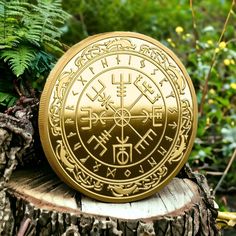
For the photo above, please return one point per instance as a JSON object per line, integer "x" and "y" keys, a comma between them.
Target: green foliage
{"x": 29, "y": 41}
{"x": 19, "y": 59}
{"x": 24, "y": 22}
{"x": 7, "y": 99}
{"x": 154, "y": 18}
{"x": 199, "y": 50}
{"x": 171, "y": 22}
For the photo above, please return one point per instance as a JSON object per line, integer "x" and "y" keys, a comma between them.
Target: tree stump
{"x": 36, "y": 202}
{"x": 43, "y": 205}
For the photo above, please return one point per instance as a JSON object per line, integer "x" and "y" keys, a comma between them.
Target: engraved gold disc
{"x": 118, "y": 116}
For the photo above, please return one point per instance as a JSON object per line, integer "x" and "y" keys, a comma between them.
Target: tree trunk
{"x": 43, "y": 205}
{"x": 36, "y": 202}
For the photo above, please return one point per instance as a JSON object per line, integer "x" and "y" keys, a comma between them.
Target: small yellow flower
{"x": 186, "y": 36}
{"x": 227, "y": 62}
{"x": 222, "y": 45}
{"x": 210, "y": 42}
{"x": 211, "y": 101}
{"x": 233, "y": 85}
{"x": 179, "y": 30}
{"x": 232, "y": 61}
{"x": 212, "y": 91}
{"x": 217, "y": 50}
{"x": 169, "y": 40}
{"x": 208, "y": 121}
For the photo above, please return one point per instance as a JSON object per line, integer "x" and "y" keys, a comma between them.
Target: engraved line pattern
{"x": 122, "y": 152}
{"x": 121, "y": 117}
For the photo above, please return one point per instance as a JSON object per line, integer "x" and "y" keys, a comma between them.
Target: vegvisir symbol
{"x": 121, "y": 117}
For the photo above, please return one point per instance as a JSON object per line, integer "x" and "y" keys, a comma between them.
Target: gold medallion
{"x": 118, "y": 116}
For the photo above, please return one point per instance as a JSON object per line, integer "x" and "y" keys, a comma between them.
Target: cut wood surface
{"x": 42, "y": 201}
{"x": 48, "y": 192}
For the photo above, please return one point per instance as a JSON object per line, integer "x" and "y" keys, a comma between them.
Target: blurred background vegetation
{"x": 35, "y": 33}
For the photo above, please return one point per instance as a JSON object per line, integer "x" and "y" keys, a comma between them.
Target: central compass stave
{"x": 119, "y": 96}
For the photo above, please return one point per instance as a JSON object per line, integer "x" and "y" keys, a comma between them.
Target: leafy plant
{"x": 153, "y": 18}
{"x": 29, "y": 42}
{"x": 19, "y": 58}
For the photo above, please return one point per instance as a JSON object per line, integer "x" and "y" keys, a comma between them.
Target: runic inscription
{"x": 120, "y": 117}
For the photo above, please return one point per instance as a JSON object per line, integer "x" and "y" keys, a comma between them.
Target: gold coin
{"x": 118, "y": 116}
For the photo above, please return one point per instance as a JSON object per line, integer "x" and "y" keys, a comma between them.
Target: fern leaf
{"x": 26, "y": 26}
{"x": 2, "y": 9}
{"x": 7, "y": 99}
{"x": 17, "y": 8}
{"x": 19, "y": 59}
{"x": 54, "y": 49}
{"x": 52, "y": 14}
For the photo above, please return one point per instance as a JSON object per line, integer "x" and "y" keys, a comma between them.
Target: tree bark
{"x": 43, "y": 205}
{"x": 15, "y": 138}
{"x": 36, "y": 202}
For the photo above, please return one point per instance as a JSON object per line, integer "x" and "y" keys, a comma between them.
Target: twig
{"x": 225, "y": 172}
{"x": 205, "y": 87}
{"x": 23, "y": 227}
{"x": 194, "y": 23}
{"x": 231, "y": 41}
{"x": 227, "y": 21}
{"x": 214, "y": 173}
{"x": 81, "y": 16}
{"x": 16, "y": 88}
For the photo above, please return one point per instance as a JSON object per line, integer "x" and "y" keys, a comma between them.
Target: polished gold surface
{"x": 118, "y": 116}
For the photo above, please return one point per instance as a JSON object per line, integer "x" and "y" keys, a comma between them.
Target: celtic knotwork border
{"x": 116, "y": 189}
{"x": 56, "y": 105}
{"x": 150, "y": 182}
{"x": 186, "y": 125}
{"x": 162, "y": 59}
{"x": 95, "y": 50}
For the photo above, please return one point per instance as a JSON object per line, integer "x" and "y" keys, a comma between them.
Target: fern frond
{"x": 52, "y": 13}
{"x": 7, "y": 99}
{"x": 16, "y": 8}
{"x": 7, "y": 42}
{"x": 53, "y": 9}
{"x": 22, "y": 21}
{"x": 54, "y": 49}
{"x": 2, "y": 9}
{"x": 9, "y": 23}
{"x": 27, "y": 29}
{"x": 19, "y": 59}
